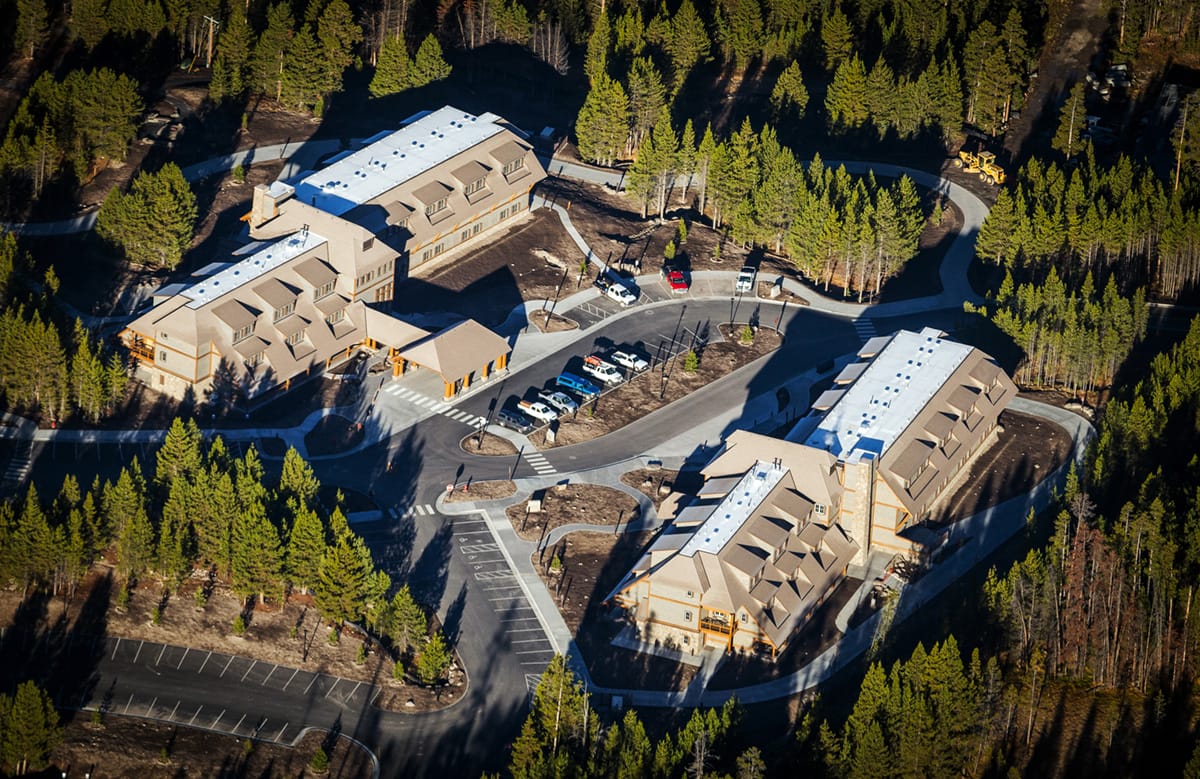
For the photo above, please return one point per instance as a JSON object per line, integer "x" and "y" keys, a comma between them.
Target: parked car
{"x": 604, "y": 371}
{"x": 560, "y": 402}
{"x": 745, "y": 279}
{"x": 620, "y": 293}
{"x": 513, "y": 420}
{"x": 602, "y": 282}
{"x": 577, "y": 384}
{"x": 629, "y": 360}
{"x": 675, "y": 280}
{"x": 537, "y": 410}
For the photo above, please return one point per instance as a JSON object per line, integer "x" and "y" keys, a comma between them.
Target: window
{"x": 687, "y": 616}
{"x": 296, "y": 337}
{"x": 325, "y": 290}
{"x": 285, "y": 311}
{"x": 690, "y": 594}
{"x": 336, "y": 316}
{"x": 513, "y": 166}
{"x": 473, "y": 187}
{"x": 475, "y": 230}
{"x": 465, "y": 235}
{"x": 254, "y": 360}
{"x": 819, "y": 509}
{"x": 517, "y": 206}
{"x": 742, "y": 617}
{"x": 162, "y": 336}
{"x": 425, "y": 255}
{"x": 435, "y": 207}
{"x": 162, "y": 355}
{"x": 242, "y": 333}
{"x": 367, "y": 244}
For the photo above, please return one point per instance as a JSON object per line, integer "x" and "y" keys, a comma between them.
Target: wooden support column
{"x": 449, "y": 391}
{"x": 466, "y": 382}
{"x": 486, "y": 367}
{"x": 502, "y": 362}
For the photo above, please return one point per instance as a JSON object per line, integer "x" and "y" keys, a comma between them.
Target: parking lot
{"x": 266, "y": 689}
{"x": 521, "y": 629}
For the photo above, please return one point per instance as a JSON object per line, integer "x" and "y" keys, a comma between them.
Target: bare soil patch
{"x": 291, "y": 634}
{"x": 489, "y": 444}
{"x": 657, "y": 483}
{"x": 124, "y": 746}
{"x": 589, "y": 504}
{"x": 483, "y": 490}
{"x": 655, "y": 388}
{"x": 592, "y": 564}
{"x": 333, "y": 434}
{"x": 1028, "y": 450}
{"x": 528, "y": 261}
{"x": 552, "y": 323}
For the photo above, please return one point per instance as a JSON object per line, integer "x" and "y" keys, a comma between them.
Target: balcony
{"x": 720, "y": 627}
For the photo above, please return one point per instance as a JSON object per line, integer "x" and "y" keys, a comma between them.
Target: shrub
{"x": 691, "y": 363}
{"x": 361, "y": 657}
{"x": 746, "y": 335}
{"x": 320, "y": 761}
{"x": 682, "y": 234}
{"x": 669, "y": 251}
{"x": 398, "y": 671}
{"x": 156, "y": 615}
{"x": 334, "y": 636}
{"x": 123, "y": 596}
{"x": 239, "y": 174}
{"x": 239, "y": 625}
{"x": 555, "y": 564}
{"x": 200, "y": 598}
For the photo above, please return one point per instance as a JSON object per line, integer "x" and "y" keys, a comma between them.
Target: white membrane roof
{"x": 253, "y": 267}
{"x": 395, "y": 158}
{"x": 734, "y": 509}
{"x": 889, "y": 394}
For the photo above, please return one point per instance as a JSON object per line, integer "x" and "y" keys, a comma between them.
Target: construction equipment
{"x": 983, "y": 163}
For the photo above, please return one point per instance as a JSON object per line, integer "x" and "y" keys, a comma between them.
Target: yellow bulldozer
{"x": 981, "y": 162}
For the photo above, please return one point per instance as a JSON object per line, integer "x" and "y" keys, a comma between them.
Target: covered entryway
{"x": 461, "y": 354}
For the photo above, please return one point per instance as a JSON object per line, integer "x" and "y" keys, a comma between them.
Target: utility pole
{"x": 213, "y": 24}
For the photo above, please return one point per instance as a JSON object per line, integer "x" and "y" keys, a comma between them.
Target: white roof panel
{"x": 733, "y": 511}
{"x": 889, "y": 394}
{"x": 389, "y": 162}
{"x": 266, "y": 259}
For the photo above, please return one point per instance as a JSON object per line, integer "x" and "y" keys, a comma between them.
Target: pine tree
{"x": 647, "y": 99}
{"x": 740, "y": 31}
{"x": 213, "y": 513}
{"x": 603, "y": 122}
{"x": 257, "y": 558}
{"x": 104, "y": 113}
{"x": 343, "y": 580}
{"x": 429, "y": 65}
{"x": 881, "y": 96}
{"x": 789, "y": 97}
{"x": 1072, "y": 122}
{"x": 434, "y": 660}
{"x": 685, "y": 160}
{"x": 231, "y": 71}
{"x": 688, "y": 45}
{"x": 409, "y": 624}
{"x": 628, "y": 748}
{"x": 175, "y": 546}
{"x": 88, "y": 21}
{"x": 706, "y": 152}
{"x": 304, "y": 80}
{"x": 392, "y": 71}
{"x": 734, "y": 172}
{"x": 180, "y": 455}
{"x": 297, "y": 481}
{"x": 155, "y": 222}
{"x": 266, "y": 65}
{"x": 306, "y": 549}
{"x": 846, "y": 100}
{"x": 337, "y": 34}
{"x": 30, "y": 28}
{"x": 595, "y": 60}
{"x": 135, "y": 545}
{"x": 837, "y": 37}
{"x": 29, "y": 729}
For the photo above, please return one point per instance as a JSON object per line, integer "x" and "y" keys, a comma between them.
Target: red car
{"x": 676, "y": 280}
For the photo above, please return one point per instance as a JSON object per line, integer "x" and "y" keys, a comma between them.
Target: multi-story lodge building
{"x": 328, "y": 251}
{"x": 776, "y": 524}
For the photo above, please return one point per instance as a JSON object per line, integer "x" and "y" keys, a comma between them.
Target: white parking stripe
{"x": 527, "y": 641}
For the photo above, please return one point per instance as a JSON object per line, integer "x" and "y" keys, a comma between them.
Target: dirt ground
{"x": 589, "y": 504}
{"x": 491, "y": 444}
{"x": 483, "y": 490}
{"x": 292, "y": 636}
{"x": 644, "y": 393}
{"x": 593, "y": 563}
{"x": 1028, "y": 450}
{"x": 333, "y": 434}
{"x": 551, "y": 323}
{"x": 124, "y": 747}
{"x": 651, "y": 481}
{"x": 527, "y": 261}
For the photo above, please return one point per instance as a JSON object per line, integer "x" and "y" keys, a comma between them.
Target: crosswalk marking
{"x": 422, "y": 510}
{"x": 539, "y": 463}
{"x": 865, "y": 328}
{"x": 22, "y": 461}
{"x": 432, "y": 404}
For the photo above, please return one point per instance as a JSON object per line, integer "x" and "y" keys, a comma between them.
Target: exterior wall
{"x": 672, "y": 636}
{"x": 463, "y": 231}
{"x": 856, "y": 508}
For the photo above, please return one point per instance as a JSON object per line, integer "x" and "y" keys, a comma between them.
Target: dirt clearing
{"x": 483, "y": 490}
{"x": 588, "y": 504}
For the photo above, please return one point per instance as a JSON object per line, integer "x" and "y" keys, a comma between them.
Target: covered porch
{"x": 461, "y": 355}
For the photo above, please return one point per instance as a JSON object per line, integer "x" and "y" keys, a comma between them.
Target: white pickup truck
{"x": 630, "y": 361}
{"x": 537, "y": 410}
{"x": 605, "y": 372}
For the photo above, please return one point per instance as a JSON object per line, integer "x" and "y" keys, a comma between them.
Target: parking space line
{"x": 527, "y": 641}
{"x": 128, "y": 702}
{"x": 235, "y": 727}
{"x": 138, "y": 653}
{"x": 473, "y": 532}
{"x": 536, "y": 652}
{"x": 264, "y": 681}
{"x": 248, "y": 670}
{"x": 150, "y": 708}
{"x": 114, "y": 654}
{"x": 197, "y": 714}
{"x": 310, "y": 683}
{"x": 172, "y": 717}
{"x": 351, "y": 695}
{"x": 501, "y": 598}
{"x": 226, "y": 668}
{"x": 185, "y": 654}
{"x": 204, "y": 663}
{"x": 260, "y": 726}
{"x": 279, "y": 735}
{"x": 334, "y": 687}
{"x": 501, "y": 587}
{"x": 536, "y": 662}
{"x": 520, "y": 619}
{"x": 293, "y": 676}
{"x": 218, "y": 719}
{"x": 524, "y": 630}
{"x": 160, "y": 654}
